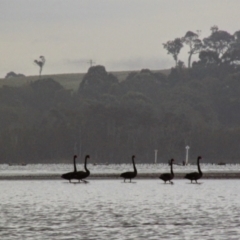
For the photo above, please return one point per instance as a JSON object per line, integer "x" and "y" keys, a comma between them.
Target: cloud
{"x": 75, "y": 62}
{"x": 122, "y": 35}
{"x": 138, "y": 63}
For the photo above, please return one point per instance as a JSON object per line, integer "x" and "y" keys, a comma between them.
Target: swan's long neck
{"x": 172, "y": 169}
{"x": 85, "y": 165}
{"x": 134, "y": 167}
{"x": 74, "y": 164}
{"x": 199, "y": 169}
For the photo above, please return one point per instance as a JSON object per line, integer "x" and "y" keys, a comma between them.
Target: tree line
{"x": 220, "y": 48}
{"x": 111, "y": 120}
{"x": 43, "y": 122}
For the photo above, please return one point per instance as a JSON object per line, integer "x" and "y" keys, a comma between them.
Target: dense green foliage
{"x": 109, "y": 119}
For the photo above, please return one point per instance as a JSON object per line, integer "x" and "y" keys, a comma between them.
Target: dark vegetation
{"x": 111, "y": 120}
{"x": 14, "y": 75}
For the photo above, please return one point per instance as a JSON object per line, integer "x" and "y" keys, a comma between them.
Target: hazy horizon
{"x": 121, "y": 35}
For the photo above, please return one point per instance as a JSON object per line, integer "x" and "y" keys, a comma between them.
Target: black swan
{"x": 195, "y": 175}
{"x": 80, "y": 175}
{"x": 168, "y": 176}
{"x": 130, "y": 175}
{"x": 71, "y": 175}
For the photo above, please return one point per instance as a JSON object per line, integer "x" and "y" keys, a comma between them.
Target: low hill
{"x": 67, "y": 80}
{"x": 112, "y": 116}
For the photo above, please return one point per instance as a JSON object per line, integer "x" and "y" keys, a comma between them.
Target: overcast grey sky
{"x": 119, "y": 34}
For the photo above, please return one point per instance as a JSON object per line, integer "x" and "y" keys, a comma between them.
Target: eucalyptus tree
{"x": 232, "y": 56}
{"x": 40, "y": 63}
{"x": 219, "y": 41}
{"x": 195, "y": 44}
{"x": 174, "y": 47}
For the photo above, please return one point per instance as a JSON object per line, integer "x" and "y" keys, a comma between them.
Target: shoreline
{"x": 208, "y": 175}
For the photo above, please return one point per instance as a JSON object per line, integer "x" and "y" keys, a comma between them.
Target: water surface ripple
{"x": 111, "y": 209}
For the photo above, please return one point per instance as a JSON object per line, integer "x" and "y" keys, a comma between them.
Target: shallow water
{"x": 111, "y": 209}
{"x": 45, "y": 169}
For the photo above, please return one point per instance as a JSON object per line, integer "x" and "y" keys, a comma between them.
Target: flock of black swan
{"x": 166, "y": 177}
{"x": 78, "y": 175}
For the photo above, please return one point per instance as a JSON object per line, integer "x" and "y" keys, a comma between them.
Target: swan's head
{"x": 133, "y": 156}
{"x": 87, "y": 156}
{"x": 170, "y": 161}
{"x": 75, "y": 156}
{"x": 199, "y": 157}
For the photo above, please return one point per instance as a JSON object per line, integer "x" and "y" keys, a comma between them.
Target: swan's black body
{"x": 168, "y": 176}
{"x": 80, "y": 175}
{"x": 194, "y": 176}
{"x": 130, "y": 175}
{"x": 71, "y": 175}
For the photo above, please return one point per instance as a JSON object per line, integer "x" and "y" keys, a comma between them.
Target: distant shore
{"x": 208, "y": 175}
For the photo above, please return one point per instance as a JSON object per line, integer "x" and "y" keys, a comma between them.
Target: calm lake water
{"x": 111, "y": 209}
